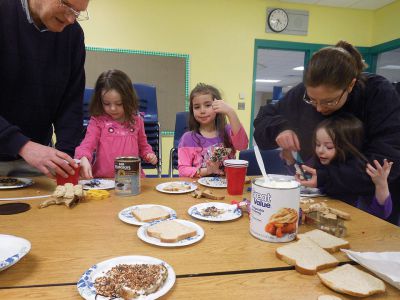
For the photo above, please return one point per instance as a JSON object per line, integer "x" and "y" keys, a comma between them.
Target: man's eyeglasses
{"x": 79, "y": 15}
{"x": 328, "y": 103}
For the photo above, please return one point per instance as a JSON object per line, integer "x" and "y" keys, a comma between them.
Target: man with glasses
{"x": 42, "y": 80}
{"x": 334, "y": 83}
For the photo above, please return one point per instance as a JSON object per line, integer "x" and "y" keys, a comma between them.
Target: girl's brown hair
{"x": 347, "y": 134}
{"x": 220, "y": 119}
{"x": 335, "y": 67}
{"x": 122, "y": 84}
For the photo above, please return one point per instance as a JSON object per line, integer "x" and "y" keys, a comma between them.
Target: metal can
{"x": 275, "y": 209}
{"x": 127, "y": 176}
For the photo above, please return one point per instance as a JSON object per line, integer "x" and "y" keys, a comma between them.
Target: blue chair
{"x": 272, "y": 161}
{"x": 87, "y": 96}
{"x": 148, "y": 107}
{"x": 147, "y": 101}
{"x": 397, "y": 87}
{"x": 181, "y": 126}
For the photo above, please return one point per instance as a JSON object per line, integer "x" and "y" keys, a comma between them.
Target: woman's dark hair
{"x": 122, "y": 84}
{"x": 335, "y": 67}
{"x": 347, "y": 134}
{"x": 220, "y": 119}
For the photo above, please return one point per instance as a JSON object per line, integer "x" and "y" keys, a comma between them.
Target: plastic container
{"x": 274, "y": 209}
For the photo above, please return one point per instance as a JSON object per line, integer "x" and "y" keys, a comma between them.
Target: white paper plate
{"x": 12, "y": 249}
{"x": 105, "y": 184}
{"x": 142, "y": 234}
{"x": 215, "y": 182}
{"x": 85, "y": 284}
{"x": 310, "y": 192}
{"x": 23, "y": 182}
{"x": 126, "y": 215}
{"x": 191, "y": 186}
{"x": 229, "y": 214}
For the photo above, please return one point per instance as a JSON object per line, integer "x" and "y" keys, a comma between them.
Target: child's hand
{"x": 379, "y": 174}
{"x": 86, "y": 168}
{"x": 213, "y": 168}
{"x": 221, "y": 107}
{"x": 151, "y": 158}
{"x": 312, "y": 182}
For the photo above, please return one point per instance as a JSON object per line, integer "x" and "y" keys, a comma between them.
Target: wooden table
{"x": 66, "y": 242}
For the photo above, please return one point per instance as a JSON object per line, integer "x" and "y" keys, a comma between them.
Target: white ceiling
{"x": 278, "y": 65}
{"x": 358, "y": 4}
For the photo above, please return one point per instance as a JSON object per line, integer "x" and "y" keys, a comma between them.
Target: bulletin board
{"x": 168, "y": 72}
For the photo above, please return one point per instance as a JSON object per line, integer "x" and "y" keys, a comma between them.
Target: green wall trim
{"x": 387, "y": 46}
{"x": 283, "y": 45}
{"x": 168, "y": 133}
{"x": 156, "y": 53}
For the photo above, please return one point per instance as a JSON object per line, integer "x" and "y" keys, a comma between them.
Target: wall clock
{"x": 278, "y": 20}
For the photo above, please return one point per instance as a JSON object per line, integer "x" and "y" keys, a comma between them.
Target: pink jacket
{"x": 191, "y": 156}
{"x": 110, "y": 139}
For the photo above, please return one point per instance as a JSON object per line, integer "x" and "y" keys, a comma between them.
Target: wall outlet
{"x": 241, "y": 105}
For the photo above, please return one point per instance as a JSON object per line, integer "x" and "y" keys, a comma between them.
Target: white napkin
{"x": 385, "y": 265}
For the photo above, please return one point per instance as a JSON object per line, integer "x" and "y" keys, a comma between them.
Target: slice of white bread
{"x": 171, "y": 231}
{"x": 306, "y": 256}
{"x": 149, "y": 214}
{"x": 347, "y": 279}
{"x": 325, "y": 240}
{"x": 328, "y": 297}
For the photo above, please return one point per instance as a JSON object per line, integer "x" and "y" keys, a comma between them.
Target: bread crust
{"x": 332, "y": 286}
{"x": 336, "y": 286}
{"x": 299, "y": 263}
{"x": 162, "y": 232}
{"x": 345, "y": 244}
{"x": 302, "y": 270}
{"x": 163, "y": 214}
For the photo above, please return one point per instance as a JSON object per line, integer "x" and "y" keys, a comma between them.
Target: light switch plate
{"x": 241, "y": 105}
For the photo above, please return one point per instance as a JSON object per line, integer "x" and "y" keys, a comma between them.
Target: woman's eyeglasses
{"x": 79, "y": 15}
{"x": 327, "y": 103}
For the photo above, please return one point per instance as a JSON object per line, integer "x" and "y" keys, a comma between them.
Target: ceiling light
{"x": 390, "y": 67}
{"x": 300, "y": 68}
{"x": 268, "y": 80}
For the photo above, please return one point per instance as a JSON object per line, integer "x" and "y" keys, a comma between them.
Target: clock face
{"x": 278, "y": 20}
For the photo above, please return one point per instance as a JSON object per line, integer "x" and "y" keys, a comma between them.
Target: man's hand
{"x": 288, "y": 140}
{"x": 48, "y": 160}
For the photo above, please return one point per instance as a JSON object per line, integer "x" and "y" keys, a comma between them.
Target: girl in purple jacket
{"x": 340, "y": 138}
{"x": 202, "y": 150}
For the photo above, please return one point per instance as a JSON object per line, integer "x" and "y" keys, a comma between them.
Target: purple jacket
{"x": 192, "y": 156}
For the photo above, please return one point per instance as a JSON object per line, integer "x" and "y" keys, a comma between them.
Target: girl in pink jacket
{"x": 210, "y": 141}
{"x": 115, "y": 127}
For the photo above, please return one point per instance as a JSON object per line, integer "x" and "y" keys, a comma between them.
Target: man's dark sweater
{"x": 42, "y": 81}
{"x": 377, "y": 105}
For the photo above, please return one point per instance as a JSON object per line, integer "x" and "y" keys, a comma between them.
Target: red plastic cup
{"x": 71, "y": 178}
{"x": 235, "y": 170}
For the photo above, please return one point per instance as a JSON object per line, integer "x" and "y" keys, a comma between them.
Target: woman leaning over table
{"x": 334, "y": 82}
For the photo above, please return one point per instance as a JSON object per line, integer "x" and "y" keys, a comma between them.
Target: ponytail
{"x": 335, "y": 66}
